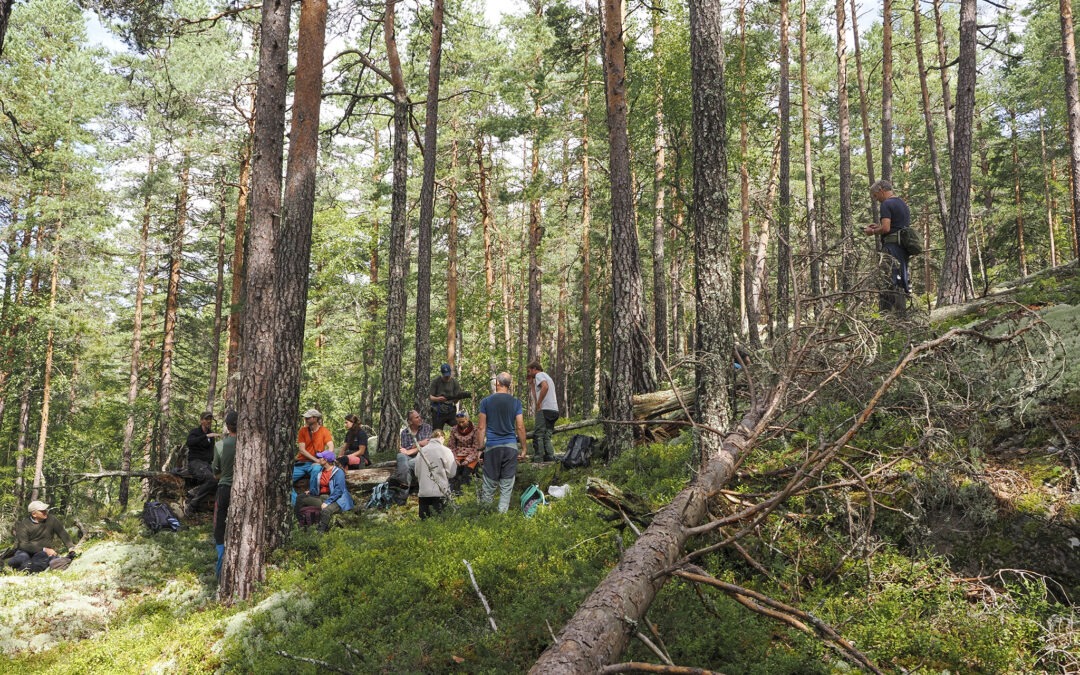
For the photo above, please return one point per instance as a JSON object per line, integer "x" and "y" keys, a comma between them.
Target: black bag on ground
{"x": 157, "y": 516}
{"x": 578, "y": 451}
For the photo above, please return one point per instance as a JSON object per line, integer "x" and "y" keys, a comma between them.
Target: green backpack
{"x": 532, "y": 499}
{"x": 909, "y": 240}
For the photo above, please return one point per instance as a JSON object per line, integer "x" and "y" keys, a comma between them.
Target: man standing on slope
{"x": 501, "y": 425}
{"x": 895, "y": 216}
{"x": 200, "y": 447}
{"x": 546, "y": 413}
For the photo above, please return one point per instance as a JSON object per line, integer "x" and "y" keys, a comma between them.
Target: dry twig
{"x": 476, "y": 587}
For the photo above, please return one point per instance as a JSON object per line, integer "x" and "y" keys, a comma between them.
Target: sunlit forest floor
{"x": 970, "y": 566}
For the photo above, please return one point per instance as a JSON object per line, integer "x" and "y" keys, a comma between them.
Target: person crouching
{"x": 435, "y": 466}
{"x": 326, "y": 490}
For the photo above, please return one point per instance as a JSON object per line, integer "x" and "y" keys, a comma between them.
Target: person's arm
{"x": 519, "y": 424}
{"x": 303, "y": 446}
{"x": 337, "y": 487}
{"x": 62, "y": 532}
{"x": 541, "y": 395}
{"x": 431, "y": 392}
{"x": 883, "y": 226}
{"x": 481, "y": 432}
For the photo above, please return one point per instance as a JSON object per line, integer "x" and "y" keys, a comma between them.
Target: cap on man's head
{"x": 445, "y": 369}
{"x": 37, "y": 506}
{"x": 312, "y": 412}
{"x": 328, "y": 455}
{"x": 206, "y": 416}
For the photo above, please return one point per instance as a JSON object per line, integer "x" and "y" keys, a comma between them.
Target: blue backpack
{"x": 157, "y": 516}
{"x": 531, "y": 500}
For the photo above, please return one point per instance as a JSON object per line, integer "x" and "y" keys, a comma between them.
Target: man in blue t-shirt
{"x": 502, "y": 430}
{"x": 895, "y": 216}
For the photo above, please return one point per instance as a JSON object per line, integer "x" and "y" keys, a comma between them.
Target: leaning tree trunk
{"x": 136, "y": 346}
{"x": 259, "y": 483}
{"x": 1072, "y": 104}
{"x": 38, "y": 489}
{"x": 422, "y": 369}
{"x": 172, "y": 308}
{"x": 956, "y": 268}
{"x": 847, "y": 243}
{"x": 236, "y": 297}
{"x": 390, "y": 415}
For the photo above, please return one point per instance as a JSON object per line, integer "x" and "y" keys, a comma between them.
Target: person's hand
{"x": 523, "y": 455}
{"x": 49, "y": 552}
{"x": 440, "y": 399}
{"x": 324, "y": 505}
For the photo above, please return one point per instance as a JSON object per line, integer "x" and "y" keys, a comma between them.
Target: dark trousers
{"x": 431, "y": 505}
{"x": 221, "y": 512}
{"x": 895, "y": 298}
{"x": 207, "y": 483}
{"x": 462, "y": 477}
{"x": 24, "y": 560}
{"x": 324, "y": 517}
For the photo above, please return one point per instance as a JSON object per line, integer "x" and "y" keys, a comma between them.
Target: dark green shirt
{"x": 224, "y": 455}
{"x": 33, "y": 537}
{"x": 448, "y": 388}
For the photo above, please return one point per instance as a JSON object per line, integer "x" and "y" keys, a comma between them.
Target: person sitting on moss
{"x": 326, "y": 490}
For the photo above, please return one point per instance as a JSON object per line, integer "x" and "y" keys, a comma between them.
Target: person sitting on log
{"x": 355, "y": 448}
{"x": 465, "y": 444}
{"x": 35, "y": 537}
{"x": 326, "y": 490}
{"x": 414, "y": 435}
{"x": 200, "y": 446}
{"x": 312, "y": 439}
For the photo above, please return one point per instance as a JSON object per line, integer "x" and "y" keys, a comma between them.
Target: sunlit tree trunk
{"x": 38, "y": 489}
{"x": 886, "y": 90}
{"x": 808, "y": 157}
{"x": 172, "y": 308}
{"x": 489, "y": 266}
{"x": 659, "y": 266}
{"x": 1019, "y": 197}
{"x": 1072, "y": 107}
{"x": 956, "y": 284}
{"x": 864, "y": 109}
{"x": 136, "y": 343}
{"x": 236, "y": 298}
{"x": 219, "y": 299}
{"x": 535, "y": 284}
{"x": 943, "y": 61}
{"x": 847, "y": 252}
{"x": 588, "y": 347}
{"x": 1049, "y": 178}
{"x": 750, "y": 306}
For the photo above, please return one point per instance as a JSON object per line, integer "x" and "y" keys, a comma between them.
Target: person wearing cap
{"x": 35, "y": 537}
{"x": 414, "y": 435}
{"x": 200, "y": 454}
{"x": 502, "y": 430}
{"x": 465, "y": 444}
{"x": 326, "y": 489}
{"x": 224, "y": 457}
{"x": 545, "y": 411}
{"x": 444, "y": 393}
{"x": 312, "y": 439}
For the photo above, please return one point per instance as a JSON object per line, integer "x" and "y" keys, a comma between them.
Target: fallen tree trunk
{"x": 598, "y": 634}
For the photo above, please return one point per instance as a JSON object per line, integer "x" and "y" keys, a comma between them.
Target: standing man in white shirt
{"x": 546, "y": 413}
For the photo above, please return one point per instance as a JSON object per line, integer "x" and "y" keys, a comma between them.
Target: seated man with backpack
{"x": 326, "y": 491}
{"x": 35, "y": 537}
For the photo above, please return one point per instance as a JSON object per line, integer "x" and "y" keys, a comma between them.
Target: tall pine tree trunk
{"x": 864, "y": 109}
{"x": 266, "y": 428}
{"x": 38, "y": 489}
{"x": 422, "y": 370}
{"x": 452, "y": 261}
{"x": 535, "y": 239}
{"x": 1019, "y": 198}
{"x": 783, "y": 213}
{"x": 886, "y": 90}
{"x": 847, "y": 243}
{"x": 136, "y": 343}
{"x": 161, "y": 451}
{"x": 1072, "y": 108}
{"x": 808, "y": 157}
{"x": 931, "y": 141}
{"x": 956, "y": 284}
{"x": 489, "y": 265}
{"x": 943, "y": 61}
{"x": 1048, "y": 195}
{"x": 659, "y": 270}
{"x": 219, "y": 299}
{"x": 751, "y": 314}
{"x": 236, "y": 297}
{"x": 588, "y": 342}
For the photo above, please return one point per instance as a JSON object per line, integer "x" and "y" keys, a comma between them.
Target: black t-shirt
{"x": 897, "y": 212}
{"x": 354, "y": 438}
{"x": 199, "y": 446}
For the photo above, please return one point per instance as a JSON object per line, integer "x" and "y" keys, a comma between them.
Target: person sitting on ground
{"x": 200, "y": 447}
{"x": 465, "y": 444}
{"x": 414, "y": 435}
{"x": 35, "y": 537}
{"x": 326, "y": 490}
{"x": 312, "y": 439}
{"x": 434, "y": 467}
{"x": 224, "y": 457}
{"x": 355, "y": 448}
{"x": 444, "y": 393}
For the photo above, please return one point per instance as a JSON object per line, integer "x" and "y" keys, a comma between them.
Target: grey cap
{"x": 312, "y": 412}
{"x": 37, "y": 506}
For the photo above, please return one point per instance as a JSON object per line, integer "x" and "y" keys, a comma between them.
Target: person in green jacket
{"x": 224, "y": 455}
{"x": 35, "y": 537}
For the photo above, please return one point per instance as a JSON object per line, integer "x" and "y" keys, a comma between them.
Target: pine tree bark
{"x": 422, "y": 370}
{"x": 751, "y": 316}
{"x": 535, "y": 239}
{"x": 489, "y": 266}
{"x": 956, "y": 284}
{"x": 38, "y": 490}
{"x": 1072, "y": 109}
{"x": 136, "y": 344}
{"x": 588, "y": 343}
{"x": 276, "y": 294}
{"x": 1049, "y": 178}
{"x": 452, "y": 261}
{"x": 172, "y": 307}
{"x": 847, "y": 243}
{"x": 390, "y": 415}
{"x": 659, "y": 265}
{"x": 931, "y": 140}
{"x": 808, "y": 157}
{"x": 783, "y": 213}
{"x": 868, "y": 146}
{"x": 1018, "y": 196}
